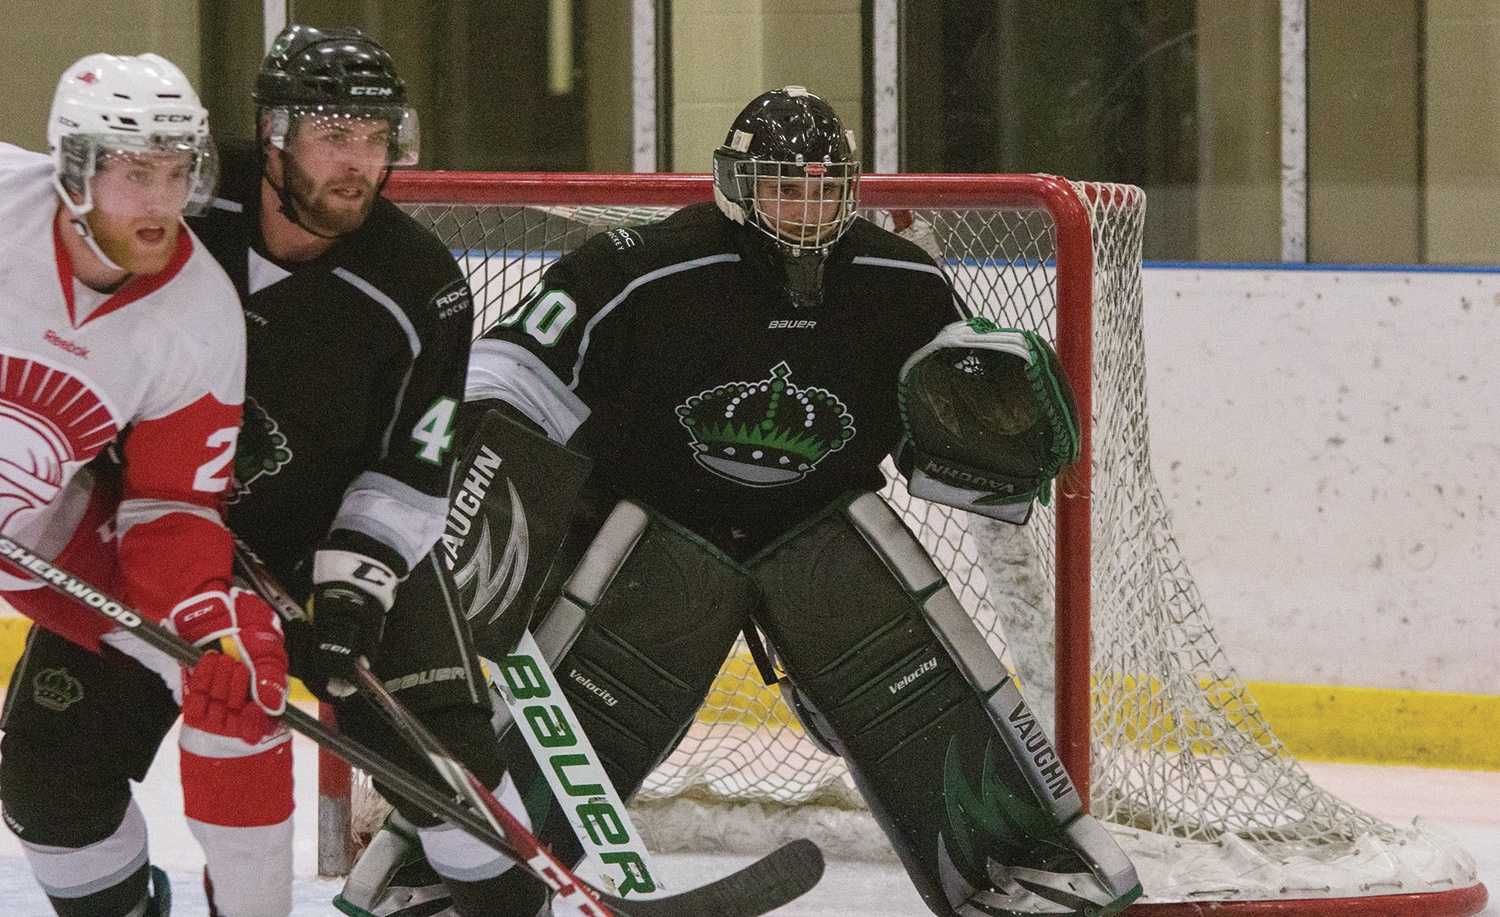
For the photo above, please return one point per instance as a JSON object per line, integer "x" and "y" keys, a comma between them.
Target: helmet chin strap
{"x": 82, "y": 227}
{"x": 80, "y": 221}
{"x": 78, "y": 216}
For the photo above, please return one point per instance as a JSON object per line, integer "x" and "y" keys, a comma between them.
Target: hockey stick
{"x": 776, "y": 879}
{"x": 542, "y": 713}
{"x": 522, "y": 843}
{"x": 761, "y": 887}
{"x": 543, "y": 864}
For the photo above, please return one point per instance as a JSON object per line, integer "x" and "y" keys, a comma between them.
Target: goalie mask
{"x": 127, "y": 107}
{"x": 788, "y": 169}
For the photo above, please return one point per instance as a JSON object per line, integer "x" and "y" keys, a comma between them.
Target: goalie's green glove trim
{"x": 989, "y": 419}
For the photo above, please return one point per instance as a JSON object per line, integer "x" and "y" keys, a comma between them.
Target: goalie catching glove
{"x": 989, "y": 420}
{"x": 351, "y": 594}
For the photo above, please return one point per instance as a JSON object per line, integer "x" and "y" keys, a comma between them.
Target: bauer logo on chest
{"x": 767, "y": 432}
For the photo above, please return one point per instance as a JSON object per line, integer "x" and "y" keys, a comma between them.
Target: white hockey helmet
{"x": 141, "y": 104}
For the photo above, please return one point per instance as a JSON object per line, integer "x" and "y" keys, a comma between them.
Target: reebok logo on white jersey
{"x": 57, "y": 340}
{"x": 791, "y": 323}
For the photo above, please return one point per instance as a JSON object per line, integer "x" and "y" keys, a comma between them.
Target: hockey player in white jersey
{"x": 117, "y": 329}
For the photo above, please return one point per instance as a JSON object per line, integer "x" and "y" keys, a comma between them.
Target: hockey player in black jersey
{"x": 358, "y": 328}
{"x": 737, "y": 373}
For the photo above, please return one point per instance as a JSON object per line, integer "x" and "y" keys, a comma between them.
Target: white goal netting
{"x": 1185, "y": 770}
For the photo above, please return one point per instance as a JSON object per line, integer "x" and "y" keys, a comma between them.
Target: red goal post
{"x": 1163, "y": 739}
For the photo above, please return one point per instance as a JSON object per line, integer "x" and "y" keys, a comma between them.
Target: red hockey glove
{"x": 216, "y": 699}
{"x": 248, "y": 631}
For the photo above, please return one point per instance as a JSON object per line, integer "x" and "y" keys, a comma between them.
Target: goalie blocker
{"x": 951, "y": 761}
{"x": 989, "y": 420}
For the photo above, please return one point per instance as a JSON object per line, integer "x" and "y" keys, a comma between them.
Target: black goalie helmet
{"x": 334, "y": 73}
{"x": 787, "y": 167}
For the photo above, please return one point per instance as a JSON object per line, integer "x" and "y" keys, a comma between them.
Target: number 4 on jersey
{"x": 435, "y": 430}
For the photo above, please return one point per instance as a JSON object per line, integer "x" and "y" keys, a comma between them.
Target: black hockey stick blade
{"x": 772, "y": 881}
{"x": 775, "y": 879}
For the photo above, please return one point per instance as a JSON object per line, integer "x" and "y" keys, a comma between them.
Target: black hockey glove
{"x": 351, "y": 594}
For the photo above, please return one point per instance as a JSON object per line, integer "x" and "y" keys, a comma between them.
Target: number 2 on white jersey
{"x": 210, "y": 478}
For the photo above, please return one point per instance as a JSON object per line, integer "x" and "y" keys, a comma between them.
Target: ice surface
{"x": 1465, "y": 803}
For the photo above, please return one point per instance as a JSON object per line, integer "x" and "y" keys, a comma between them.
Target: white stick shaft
{"x": 527, "y": 684}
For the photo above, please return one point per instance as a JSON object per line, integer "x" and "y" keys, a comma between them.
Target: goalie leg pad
{"x": 641, "y": 630}
{"x": 636, "y": 639}
{"x": 510, "y": 508}
{"x": 962, "y": 781}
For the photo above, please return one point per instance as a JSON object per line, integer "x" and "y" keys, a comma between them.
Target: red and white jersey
{"x": 161, "y": 360}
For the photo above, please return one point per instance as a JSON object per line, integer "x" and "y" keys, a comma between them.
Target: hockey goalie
{"x": 736, "y": 374}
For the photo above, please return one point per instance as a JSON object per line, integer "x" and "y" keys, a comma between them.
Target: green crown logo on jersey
{"x": 767, "y": 432}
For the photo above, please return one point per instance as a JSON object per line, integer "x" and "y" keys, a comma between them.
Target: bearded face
{"x": 331, "y": 167}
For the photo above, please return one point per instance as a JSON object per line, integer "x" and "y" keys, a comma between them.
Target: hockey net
{"x": 1159, "y": 731}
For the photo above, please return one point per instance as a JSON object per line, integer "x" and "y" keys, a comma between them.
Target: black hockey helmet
{"x": 336, "y": 73}
{"x": 789, "y": 135}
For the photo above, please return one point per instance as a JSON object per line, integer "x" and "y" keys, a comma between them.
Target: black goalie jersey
{"x": 356, "y": 368}
{"x": 672, "y": 355}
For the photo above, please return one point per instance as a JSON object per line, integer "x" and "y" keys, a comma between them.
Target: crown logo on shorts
{"x": 55, "y": 689}
{"x": 767, "y": 432}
